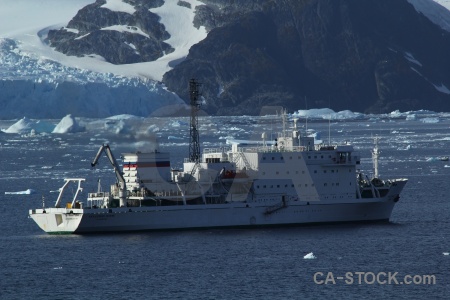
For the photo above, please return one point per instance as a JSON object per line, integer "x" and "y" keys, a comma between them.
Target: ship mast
{"x": 375, "y": 156}
{"x": 194, "y": 143}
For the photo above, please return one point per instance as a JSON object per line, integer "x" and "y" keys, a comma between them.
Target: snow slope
{"x": 433, "y": 10}
{"x": 177, "y": 20}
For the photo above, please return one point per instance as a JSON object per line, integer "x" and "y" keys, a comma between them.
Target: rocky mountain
{"x": 363, "y": 55}
{"x": 119, "y": 37}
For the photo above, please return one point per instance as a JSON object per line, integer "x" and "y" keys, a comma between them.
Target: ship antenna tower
{"x": 194, "y": 142}
{"x": 375, "y": 156}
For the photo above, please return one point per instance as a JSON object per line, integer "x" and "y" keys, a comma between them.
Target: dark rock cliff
{"x": 141, "y": 41}
{"x": 363, "y": 55}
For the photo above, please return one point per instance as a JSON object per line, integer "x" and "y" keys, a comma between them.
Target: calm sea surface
{"x": 265, "y": 263}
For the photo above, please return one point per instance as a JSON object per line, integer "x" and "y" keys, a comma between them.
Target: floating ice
{"x": 310, "y": 256}
{"x": 68, "y": 124}
{"x": 21, "y": 126}
{"x": 408, "y": 147}
{"x": 123, "y": 117}
{"x": 326, "y": 113}
{"x": 152, "y": 128}
{"x": 411, "y": 117}
{"x": 25, "y": 126}
{"x": 430, "y": 120}
{"x": 179, "y": 124}
{"x": 26, "y": 192}
{"x": 445, "y": 253}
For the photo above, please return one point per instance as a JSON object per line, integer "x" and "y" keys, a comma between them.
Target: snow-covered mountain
{"x": 39, "y": 82}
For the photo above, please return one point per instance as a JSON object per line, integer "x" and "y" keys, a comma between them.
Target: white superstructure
{"x": 292, "y": 181}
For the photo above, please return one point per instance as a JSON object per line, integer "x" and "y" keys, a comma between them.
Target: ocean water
{"x": 266, "y": 263}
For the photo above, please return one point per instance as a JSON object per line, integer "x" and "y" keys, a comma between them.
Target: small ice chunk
{"x": 310, "y": 256}
{"x": 26, "y": 192}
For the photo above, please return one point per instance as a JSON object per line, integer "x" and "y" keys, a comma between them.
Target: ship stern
{"x": 57, "y": 220}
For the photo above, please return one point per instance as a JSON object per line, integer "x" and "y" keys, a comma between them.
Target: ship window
{"x": 324, "y": 171}
{"x": 306, "y": 185}
{"x": 282, "y": 158}
{"x": 273, "y": 158}
{"x": 264, "y": 158}
{"x": 337, "y": 183}
{"x": 303, "y": 172}
{"x": 315, "y": 156}
{"x": 312, "y": 184}
{"x": 285, "y": 185}
{"x": 264, "y": 186}
{"x": 309, "y": 157}
{"x": 315, "y": 171}
{"x": 325, "y": 184}
{"x": 257, "y": 186}
{"x": 290, "y": 157}
{"x": 332, "y": 171}
{"x": 271, "y": 186}
{"x": 321, "y": 156}
{"x": 349, "y": 170}
{"x": 264, "y": 173}
{"x": 329, "y": 156}
{"x": 292, "y": 185}
{"x": 296, "y": 172}
{"x": 287, "y": 172}
{"x": 278, "y": 185}
{"x": 277, "y": 172}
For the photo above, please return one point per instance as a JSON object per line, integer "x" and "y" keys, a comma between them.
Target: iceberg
{"x": 26, "y": 125}
{"x": 68, "y": 124}
{"x": 430, "y": 120}
{"x": 26, "y": 192}
{"x": 327, "y": 113}
{"x": 22, "y": 126}
{"x": 310, "y": 256}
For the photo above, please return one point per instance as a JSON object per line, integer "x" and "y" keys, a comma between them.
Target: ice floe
{"x": 28, "y": 126}
{"x": 310, "y": 256}
{"x": 68, "y": 124}
{"x": 26, "y": 192}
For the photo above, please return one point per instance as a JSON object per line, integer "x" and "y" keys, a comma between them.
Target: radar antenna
{"x": 194, "y": 143}
{"x": 375, "y": 156}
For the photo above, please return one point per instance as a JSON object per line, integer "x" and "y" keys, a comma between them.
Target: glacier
{"x": 48, "y": 89}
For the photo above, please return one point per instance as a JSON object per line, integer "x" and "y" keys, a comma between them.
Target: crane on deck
{"x": 122, "y": 185}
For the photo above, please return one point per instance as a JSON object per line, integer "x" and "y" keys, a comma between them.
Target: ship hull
{"x": 62, "y": 220}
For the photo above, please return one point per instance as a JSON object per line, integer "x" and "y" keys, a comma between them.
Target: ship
{"x": 292, "y": 180}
